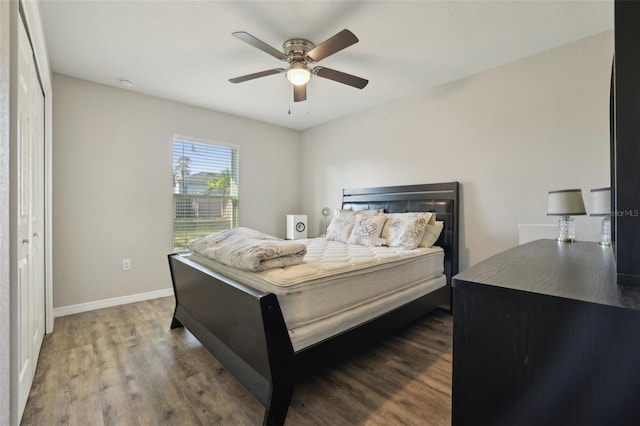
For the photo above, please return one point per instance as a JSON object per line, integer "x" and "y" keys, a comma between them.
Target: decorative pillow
{"x": 367, "y": 230}
{"x": 406, "y": 229}
{"x": 343, "y": 221}
{"x": 431, "y": 234}
{"x": 341, "y": 225}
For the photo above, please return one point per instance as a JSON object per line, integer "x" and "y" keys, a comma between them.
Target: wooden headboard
{"x": 439, "y": 198}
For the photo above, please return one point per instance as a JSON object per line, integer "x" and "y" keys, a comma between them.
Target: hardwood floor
{"x": 123, "y": 366}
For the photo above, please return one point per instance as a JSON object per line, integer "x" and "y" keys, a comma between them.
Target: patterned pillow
{"x": 341, "y": 225}
{"x": 431, "y": 234}
{"x": 406, "y": 229}
{"x": 343, "y": 221}
{"x": 367, "y": 230}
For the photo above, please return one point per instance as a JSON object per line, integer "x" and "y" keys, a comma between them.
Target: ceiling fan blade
{"x": 300, "y": 93}
{"x": 341, "y": 77}
{"x": 342, "y": 40}
{"x": 257, "y": 43}
{"x": 256, "y": 75}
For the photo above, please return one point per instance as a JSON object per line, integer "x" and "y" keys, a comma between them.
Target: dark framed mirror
{"x": 625, "y": 142}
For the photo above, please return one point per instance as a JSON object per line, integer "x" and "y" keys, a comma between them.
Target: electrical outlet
{"x": 126, "y": 264}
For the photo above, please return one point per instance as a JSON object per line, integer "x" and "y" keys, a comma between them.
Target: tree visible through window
{"x": 205, "y": 190}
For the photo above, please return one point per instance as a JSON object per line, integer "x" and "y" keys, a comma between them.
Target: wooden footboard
{"x": 243, "y": 328}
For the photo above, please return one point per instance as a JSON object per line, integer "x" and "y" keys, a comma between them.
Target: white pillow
{"x": 367, "y": 230}
{"x": 341, "y": 225}
{"x": 431, "y": 234}
{"x": 406, "y": 229}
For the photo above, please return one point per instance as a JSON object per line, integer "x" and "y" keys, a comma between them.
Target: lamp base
{"x": 605, "y": 229}
{"x": 565, "y": 240}
{"x": 567, "y": 230}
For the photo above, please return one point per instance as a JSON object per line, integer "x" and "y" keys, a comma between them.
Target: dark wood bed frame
{"x": 245, "y": 330}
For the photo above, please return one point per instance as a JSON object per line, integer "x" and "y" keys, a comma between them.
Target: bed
{"x": 245, "y": 329}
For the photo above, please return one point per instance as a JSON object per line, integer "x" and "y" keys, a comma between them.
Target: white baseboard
{"x": 107, "y": 303}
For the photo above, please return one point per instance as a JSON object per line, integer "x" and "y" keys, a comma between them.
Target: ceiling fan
{"x": 299, "y": 53}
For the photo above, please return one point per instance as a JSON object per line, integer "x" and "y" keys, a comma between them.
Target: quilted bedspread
{"x": 248, "y": 249}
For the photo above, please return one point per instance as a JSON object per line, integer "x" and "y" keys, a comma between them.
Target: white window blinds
{"x": 205, "y": 190}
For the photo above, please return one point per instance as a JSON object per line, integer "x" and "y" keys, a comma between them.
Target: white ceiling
{"x": 184, "y": 51}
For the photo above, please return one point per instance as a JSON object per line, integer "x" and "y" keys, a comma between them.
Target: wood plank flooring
{"x": 124, "y": 366}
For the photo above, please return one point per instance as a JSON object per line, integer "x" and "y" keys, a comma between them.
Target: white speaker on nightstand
{"x": 296, "y": 226}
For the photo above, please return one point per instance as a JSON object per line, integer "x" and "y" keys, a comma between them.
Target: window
{"x": 205, "y": 190}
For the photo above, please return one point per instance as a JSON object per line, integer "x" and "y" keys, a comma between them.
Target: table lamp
{"x": 601, "y": 206}
{"x": 566, "y": 203}
{"x": 326, "y": 212}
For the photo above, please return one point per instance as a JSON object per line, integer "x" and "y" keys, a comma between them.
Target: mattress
{"x": 341, "y": 285}
{"x": 315, "y": 332}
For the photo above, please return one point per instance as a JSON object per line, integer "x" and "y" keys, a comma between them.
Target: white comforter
{"x": 248, "y": 249}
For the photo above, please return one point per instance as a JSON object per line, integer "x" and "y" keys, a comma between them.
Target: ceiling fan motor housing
{"x": 297, "y": 48}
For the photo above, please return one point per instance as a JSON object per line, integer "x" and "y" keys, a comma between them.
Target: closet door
{"x": 37, "y": 218}
{"x": 30, "y": 213}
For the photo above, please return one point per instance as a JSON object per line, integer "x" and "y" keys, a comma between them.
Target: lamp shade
{"x": 600, "y": 202}
{"x": 566, "y": 202}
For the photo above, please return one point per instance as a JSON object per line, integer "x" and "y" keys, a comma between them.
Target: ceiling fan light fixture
{"x": 299, "y": 74}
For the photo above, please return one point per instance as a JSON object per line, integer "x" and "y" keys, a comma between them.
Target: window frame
{"x": 234, "y": 196}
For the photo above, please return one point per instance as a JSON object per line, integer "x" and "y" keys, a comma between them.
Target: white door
{"x": 37, "y": 264}
{"x": 30, "y": 205}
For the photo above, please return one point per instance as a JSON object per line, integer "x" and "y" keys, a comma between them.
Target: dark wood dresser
{"x": 543, "y": 335}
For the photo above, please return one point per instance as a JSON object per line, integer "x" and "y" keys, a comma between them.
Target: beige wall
{"x": 112, "y": 183}
{"x": 509, "y": 135}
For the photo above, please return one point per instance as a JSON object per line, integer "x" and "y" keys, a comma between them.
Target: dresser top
{"x": 582, "y": 271}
